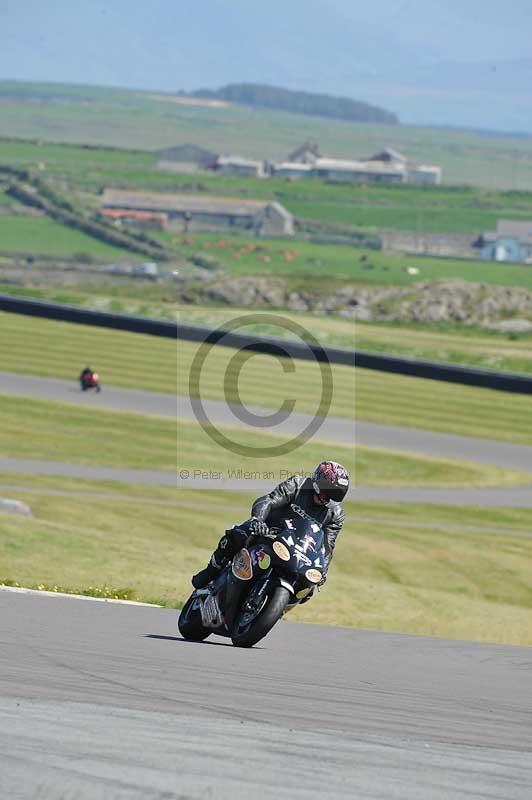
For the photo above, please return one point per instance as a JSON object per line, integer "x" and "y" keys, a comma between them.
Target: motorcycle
{"x": 269, "y": 576}
{"x": 90, "y": 381}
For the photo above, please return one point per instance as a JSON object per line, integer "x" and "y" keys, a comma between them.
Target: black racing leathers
{"x": 272, "y": 509}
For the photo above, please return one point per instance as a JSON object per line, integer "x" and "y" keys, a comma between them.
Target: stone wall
{"x": 456, "y": 245}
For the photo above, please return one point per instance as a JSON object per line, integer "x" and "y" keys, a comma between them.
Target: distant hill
{"x": 318, "y": 105}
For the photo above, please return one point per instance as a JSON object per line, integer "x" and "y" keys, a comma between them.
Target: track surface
{"x": 334, "y": 429}
{"x": 105, "y": 701}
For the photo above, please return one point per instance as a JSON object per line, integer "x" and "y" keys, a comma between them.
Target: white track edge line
{"x": 22, "y": 590}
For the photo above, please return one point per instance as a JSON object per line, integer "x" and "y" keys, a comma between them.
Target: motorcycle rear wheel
{"x": 189, "y": 623}
{"x": 246, "y": 635}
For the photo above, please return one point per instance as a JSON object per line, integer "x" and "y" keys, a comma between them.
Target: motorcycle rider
{"x": 85, "y": 378}
{"x": 319, "y": 496}
{"x": 89, "y": 379}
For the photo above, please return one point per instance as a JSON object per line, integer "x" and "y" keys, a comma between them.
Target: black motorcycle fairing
{"x": 264, "y": 578}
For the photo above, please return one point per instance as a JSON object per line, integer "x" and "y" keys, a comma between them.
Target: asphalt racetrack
{"x": 105, "y": 701}
{"x": 334, "y": 430}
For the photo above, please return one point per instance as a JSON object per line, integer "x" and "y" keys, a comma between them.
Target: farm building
{"x": 307, "y": 153}
{"x": 236, "y": 165}
{"x": 335, "y": 169}
{"x": 511, "y": 241}
{"x": 185, "y": 158}
{"x": 192, "y": 213}
{"x": 293, "y": 169}
{"x": 386, "y": 166}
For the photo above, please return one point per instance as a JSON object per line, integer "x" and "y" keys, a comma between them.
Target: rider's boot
{"x": 230, "y": 543}
{"x": 205, "y": 576}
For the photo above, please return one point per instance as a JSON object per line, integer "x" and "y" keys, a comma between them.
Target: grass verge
{"x": 60, "y": 350}
{"x": 56, "y": 349}
{"x": 98, "y": 437}
{"x": 454, "y": 343}
{"x": 393, "y": 570}
{"x": 444, "y": 407}
{"x": 451, "y": 343}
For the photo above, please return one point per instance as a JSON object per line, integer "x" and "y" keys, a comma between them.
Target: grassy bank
{"x": 443, "y": 407}
{"x": 388, "y": 574}
{"x": 448, "y": 342}
{"x": 456, "y": 344}
{"x": 98, "y": 437}
{"x": 55, "y": 349}
{"x": 130, "y": 440}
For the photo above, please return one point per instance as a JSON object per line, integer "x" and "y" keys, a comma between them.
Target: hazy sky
{"x": 338, "y": 46}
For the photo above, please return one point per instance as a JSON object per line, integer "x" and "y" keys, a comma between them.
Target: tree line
{"x": 323, "y": 105}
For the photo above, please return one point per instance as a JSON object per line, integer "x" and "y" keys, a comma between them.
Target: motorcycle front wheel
{"x": 189, "y": 622}
{"x": 257, "y": 619}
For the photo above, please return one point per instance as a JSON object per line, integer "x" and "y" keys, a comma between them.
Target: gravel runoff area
{"x": 106, "y": 701}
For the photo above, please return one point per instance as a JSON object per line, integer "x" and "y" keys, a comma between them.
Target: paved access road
{"x": 101, "y": 700}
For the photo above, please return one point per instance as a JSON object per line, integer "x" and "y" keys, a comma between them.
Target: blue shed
{"x": 512, "y": 241}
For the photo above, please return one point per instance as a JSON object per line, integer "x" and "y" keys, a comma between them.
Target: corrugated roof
{"x": 517, "y": 229}
{"x": 359, "y": 166}
{"x": 387, "y": 155}
{"x": 296, "y": 166}
{"x": 238, "y": 161}
{"x": 116, "y": 213}
{"x": 425, "y": 168}
{"x": 162, "y": 201}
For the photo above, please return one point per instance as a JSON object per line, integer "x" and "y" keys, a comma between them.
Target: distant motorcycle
{"x": 269, "y": 576}
{"x": 90, "y": 380}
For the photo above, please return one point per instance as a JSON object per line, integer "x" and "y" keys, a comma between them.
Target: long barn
{"x": 184, "y": 212}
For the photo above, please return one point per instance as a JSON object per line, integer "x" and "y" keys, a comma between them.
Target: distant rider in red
{"x": 89, "y": 379}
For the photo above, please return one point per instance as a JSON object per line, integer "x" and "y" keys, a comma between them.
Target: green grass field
{"x": 43, "y": 236}
{"x": 55, "y": 349}
{"x": 439, "y": 571}
{"x": 136, "y": 361}
{"x": 142, "y": 120}
{"x": 308, "y": 264}
{"x": 118, "y": 439}
{"x": 446, "y": 342}
{"x": 139, "y": 298}
{"x": 416, "y": 208}
{"x": 444, "y": 571}
{"x": 444, "y": 407}
{"x": 144, "y": 442}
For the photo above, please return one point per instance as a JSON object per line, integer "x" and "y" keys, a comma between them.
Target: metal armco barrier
{"x": 84, "y": 316}
{"x": 174, "y": 330}
{"x": 470, "y": 376}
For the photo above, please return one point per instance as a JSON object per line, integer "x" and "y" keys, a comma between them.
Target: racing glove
{"x": 258, "y": 527}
